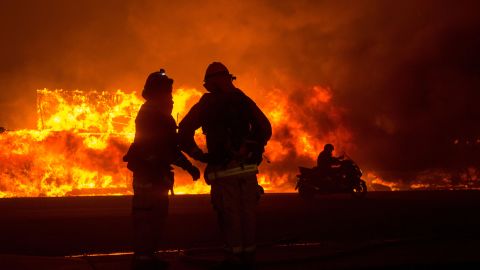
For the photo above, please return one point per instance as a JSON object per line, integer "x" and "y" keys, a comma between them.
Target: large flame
{"x": 78, "y": 146}
{"x": 81, "y": 137}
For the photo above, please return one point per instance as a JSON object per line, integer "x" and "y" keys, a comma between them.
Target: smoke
{"x": 404, "y": 76}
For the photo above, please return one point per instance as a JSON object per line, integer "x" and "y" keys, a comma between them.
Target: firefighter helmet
{"x": 157, "y": 83}
{"x": 216, "y": 69}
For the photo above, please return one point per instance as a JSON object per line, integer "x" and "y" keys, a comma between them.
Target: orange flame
{"x": 81, "y": 137}
{"x": 78, "y": 146}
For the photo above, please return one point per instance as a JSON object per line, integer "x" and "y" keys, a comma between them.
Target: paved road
{"x": 403, "y": 221}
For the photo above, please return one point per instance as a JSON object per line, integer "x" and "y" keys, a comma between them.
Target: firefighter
{"x": 236, "y": 133}
{"x": 150, "y": 156}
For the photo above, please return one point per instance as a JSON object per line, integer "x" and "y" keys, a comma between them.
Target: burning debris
{"x": 81, "y": 137}
{"x": 77, "y": 147}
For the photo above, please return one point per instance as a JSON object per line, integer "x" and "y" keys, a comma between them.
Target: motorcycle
{"x": 345, "y": 178}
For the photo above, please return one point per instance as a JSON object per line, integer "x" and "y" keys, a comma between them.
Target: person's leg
{"x": 159, "y": 213}
{"x": 149, "y": 212}
{"x": 249, "y": 200}
{"x": 226, "y": 201}
{"x": 142, "y": 215}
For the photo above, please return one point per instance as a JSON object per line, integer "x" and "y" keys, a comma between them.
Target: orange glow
{"x": 295, "y": 141}
{"x": 82, "y": 136}
{"x": 78, "y": 146}
{"x": 375, "y": 183}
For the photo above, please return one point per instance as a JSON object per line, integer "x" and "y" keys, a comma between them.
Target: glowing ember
{"x": 375, "y": 183}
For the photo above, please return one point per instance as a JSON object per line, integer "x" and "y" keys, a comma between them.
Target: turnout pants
{"x": 235, "y": 199}
{"x": 149, "y": 212}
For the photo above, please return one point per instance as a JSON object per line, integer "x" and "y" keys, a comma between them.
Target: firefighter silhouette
{"x": 236, "y": 133}
{"x": 150, "y": 156}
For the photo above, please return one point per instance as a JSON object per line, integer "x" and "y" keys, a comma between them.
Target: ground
{"x": 385, "y": 230}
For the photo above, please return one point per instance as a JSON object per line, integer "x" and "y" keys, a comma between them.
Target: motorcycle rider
{"x": 332, "y": 175}
{"x": 236, "y": 133}
{"x": 326, "y": 161}
{"x": 150, "y": 156}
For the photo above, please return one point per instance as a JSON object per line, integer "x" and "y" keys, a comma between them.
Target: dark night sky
{"x": 405, "y": 73}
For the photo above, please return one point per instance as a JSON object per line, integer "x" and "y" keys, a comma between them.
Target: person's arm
{"x": 186, "y": 132}
{"x": 261, "y": 131}
{"x": 166, "y": 135}
{"x": 136, "y": 150}
{"x": 185, "y": 164}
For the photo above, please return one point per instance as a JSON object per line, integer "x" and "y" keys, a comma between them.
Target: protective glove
{"x": 194, "y": 172}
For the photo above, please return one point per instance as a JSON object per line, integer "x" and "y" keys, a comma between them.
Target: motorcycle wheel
{"x": 359, "y": 190}
{"x": 306, "y": 193}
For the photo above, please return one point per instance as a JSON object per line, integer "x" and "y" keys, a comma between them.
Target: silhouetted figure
{"x": 150, "y": 156}
{"x": 2, "y": 130}
{"x": 326, "y": 160}
{"x": 236, "y": 132}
